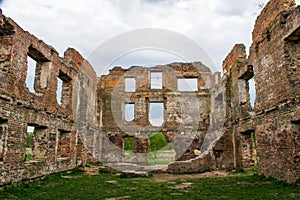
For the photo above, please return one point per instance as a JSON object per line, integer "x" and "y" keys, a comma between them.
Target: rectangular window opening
{"x": 59, "y": 90}
{"x": 31, "y": 69}
{"x": 38, "y": 68}
{"x": 64, "y": 90}
{"x": 130, "y": 84}
{"x": 35, "y": 143}
{"x": 156, "y": 114}
{"x": 29, "y": 143}
{"x": 129, "y": 112}
{"x": 156, "y": 80}
{"x": 159, "y": 149}
{"x": 128, "y": 148}
{"x": 187, "y": 84}
{"x": 252, "y": 91}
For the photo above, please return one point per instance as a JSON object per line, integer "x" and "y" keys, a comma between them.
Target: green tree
{"x": 129, "y": 144}
{"x": 157, "y": 141}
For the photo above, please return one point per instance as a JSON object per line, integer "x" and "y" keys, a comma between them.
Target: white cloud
{"x": 216, "y": 25}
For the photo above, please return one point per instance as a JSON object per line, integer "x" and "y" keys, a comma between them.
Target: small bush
{"x": 129, "y": 144}
{"x": 27, "y": 156}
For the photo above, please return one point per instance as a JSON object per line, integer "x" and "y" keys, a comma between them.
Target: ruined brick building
{"x": 185, "y": 111}
{"x": 95, "y": 107}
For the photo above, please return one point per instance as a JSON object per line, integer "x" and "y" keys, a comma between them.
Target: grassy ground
{"x": 76, "y": 185}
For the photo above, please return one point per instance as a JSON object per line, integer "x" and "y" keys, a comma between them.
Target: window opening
{"x": 29, "y": 143}
{"x": 30, "y": 78}
{"x": 187, "y": 84}
{"x": 59, "y": 90}
{"x": 156, "y": 80}
{"x": 252, "y": 91}
{"x": 129, "y": 112}
{"x": 156, "y": 114}
{"x": 130, "y": 84}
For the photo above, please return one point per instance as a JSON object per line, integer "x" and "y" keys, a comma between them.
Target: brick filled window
{"x": 3, "y": 134}
{"x": 130, "y": 84}
{"x": 64, "y": 144}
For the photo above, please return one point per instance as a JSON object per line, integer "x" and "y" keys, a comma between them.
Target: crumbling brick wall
{"x": 54, "y": 145}
{"x": 273, "y": 123}
{"x": 274, "y": 55}
{"x": 274, "y": 63}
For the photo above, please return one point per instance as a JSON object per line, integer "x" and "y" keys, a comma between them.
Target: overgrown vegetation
{"x": 77, "y": 185}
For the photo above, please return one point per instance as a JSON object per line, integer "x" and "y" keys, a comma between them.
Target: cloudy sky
{"x": 215, "y": 25}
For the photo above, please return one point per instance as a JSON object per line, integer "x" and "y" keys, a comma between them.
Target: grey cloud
{"x": 216, "y": 25}
{"x": 233, "y": 7}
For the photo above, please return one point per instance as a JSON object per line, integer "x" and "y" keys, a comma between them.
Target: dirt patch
{"x": 182, "y": 186}
{"x": 112, "y": 182}
{"x": 169, "y": 177}
{"x": 91, "y": 170}
{"x": 118, "y": 198}
{"x": 68, "y": 177}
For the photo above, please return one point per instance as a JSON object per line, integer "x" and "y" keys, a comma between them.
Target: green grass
{"x": 79, "y": 186}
